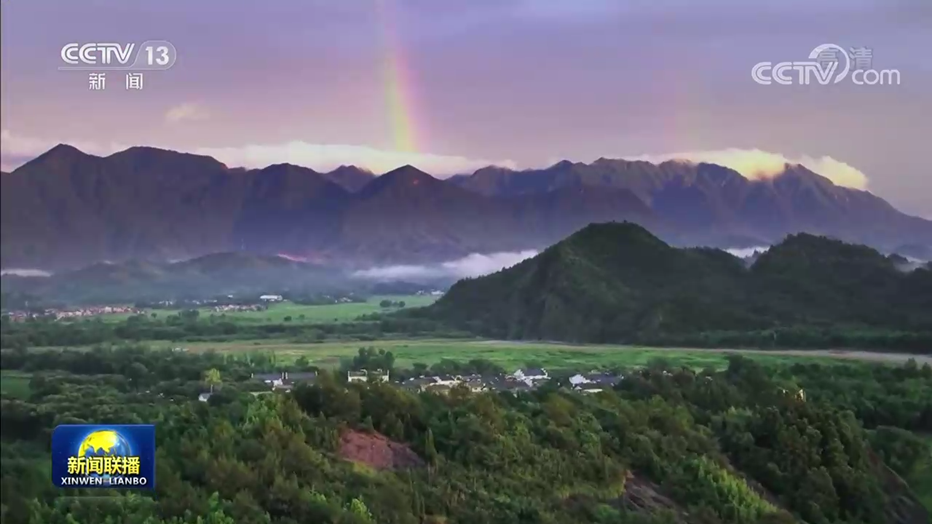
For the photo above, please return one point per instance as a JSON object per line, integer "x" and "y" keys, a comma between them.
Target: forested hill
{"x": 616, "y": 282}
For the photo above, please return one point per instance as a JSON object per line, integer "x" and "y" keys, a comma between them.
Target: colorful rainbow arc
{"x": 398, "y": 85}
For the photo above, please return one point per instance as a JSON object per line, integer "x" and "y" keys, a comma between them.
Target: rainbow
{"x": 398, "y": 85}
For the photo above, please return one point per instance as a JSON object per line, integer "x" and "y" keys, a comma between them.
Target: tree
{"x": 401, "y": 303}
{"x": 137, "y": 371}
{"x": 385, "y": 303}
{"x": 212, "y": 378}
{"x": 302, "y": 362}
{"x": 287, "y": 318}
{"x": 430, "y": 450}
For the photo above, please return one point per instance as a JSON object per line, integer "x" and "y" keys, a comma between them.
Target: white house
{"x": 364, "y": 376}
{"x": 475, "y": 383}
{"x": 272, "y": 379}
{"x": 357, "y": 376}
{"x": 594, "y": 381}
{"x": 203, "y": 397}
{"x": 447, "y": 380}
{"x": 531, "y": 375}
{"x": 271, "y": 298}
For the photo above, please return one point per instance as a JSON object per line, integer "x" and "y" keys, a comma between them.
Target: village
{"x": 83, "y": 312}
{"x": 521, "y": 380}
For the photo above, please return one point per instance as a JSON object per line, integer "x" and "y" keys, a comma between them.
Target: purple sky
{"x": 521, "y": 82}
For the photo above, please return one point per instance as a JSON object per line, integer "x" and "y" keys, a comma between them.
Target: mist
{"x": 473, "y": 265}
{"x": 22, "y": 272}
{"x": 745, "y": 252}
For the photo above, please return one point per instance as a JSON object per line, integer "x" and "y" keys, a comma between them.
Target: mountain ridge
{"x": 67, "y": 208}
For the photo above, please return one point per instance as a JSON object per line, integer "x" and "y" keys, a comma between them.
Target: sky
{"x": 453, "y": 85}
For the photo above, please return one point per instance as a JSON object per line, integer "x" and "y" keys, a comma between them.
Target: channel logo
{"x": 103, "y": 456}
{"x": 152, "y": 55}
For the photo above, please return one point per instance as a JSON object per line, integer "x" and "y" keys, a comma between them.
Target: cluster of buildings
{"x": 283, "y": 381}
{"x": 88, "y": 311}
{"x": 365, "y": 376}
{"x": 226, "y": 308}
{"x": 525, "y": 379}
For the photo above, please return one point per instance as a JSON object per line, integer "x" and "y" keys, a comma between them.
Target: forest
{"x": 751, "y": 443}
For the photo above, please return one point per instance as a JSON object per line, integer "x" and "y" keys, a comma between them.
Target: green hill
{"x": 616, "y": 282}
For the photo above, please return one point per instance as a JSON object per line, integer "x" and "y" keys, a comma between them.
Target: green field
{"x": 508, "y": 354}
{"x": 15, "y": 383}
{"x": 277, "y": 312}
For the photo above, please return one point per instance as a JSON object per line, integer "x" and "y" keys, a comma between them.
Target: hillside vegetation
{"x": 667, "y": 445}
{"x": 616, "y": 282}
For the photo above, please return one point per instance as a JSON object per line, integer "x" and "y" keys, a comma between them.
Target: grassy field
{"x": 277, "y": 312}
{"x": 15, "y": 383}
{"x": 508, "y": 354}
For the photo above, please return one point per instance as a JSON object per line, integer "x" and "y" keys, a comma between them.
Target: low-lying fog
{"x": 25, "y": 272}
{"x": 474, "y": 265}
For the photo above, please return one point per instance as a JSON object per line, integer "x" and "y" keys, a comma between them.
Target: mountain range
{"x": 68, "y": 209}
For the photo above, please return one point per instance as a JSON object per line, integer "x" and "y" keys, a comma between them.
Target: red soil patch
{"x": 377, "y": 451}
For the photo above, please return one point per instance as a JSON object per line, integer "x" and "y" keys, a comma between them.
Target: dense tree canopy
{"x": 666, "y": 445}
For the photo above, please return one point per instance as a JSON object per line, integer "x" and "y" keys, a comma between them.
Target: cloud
{"x": 755, "y": 164}
{"x": 325, "y": 157}
{"x": 474, "y": 265}
{"x": 187, "y": 111}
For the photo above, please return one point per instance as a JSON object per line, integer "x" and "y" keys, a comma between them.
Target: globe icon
{"x": 105, "y": 443}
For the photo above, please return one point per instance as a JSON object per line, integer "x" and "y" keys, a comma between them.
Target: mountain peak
{"x": 63, "y": 152}
{"x": 407, "y": 181}
{"x": 408, "y": 174}
{"x": 287, "y": 168}
{"x": 62, "y": 157}
{"x": 61, "y": 149}
{"x": 492, "y": 169}
{"x": 350, "y": 177}
{"x": 628, "y": 233}
{"x": 562, "y": 164}
{"x": 350, "y": 167}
